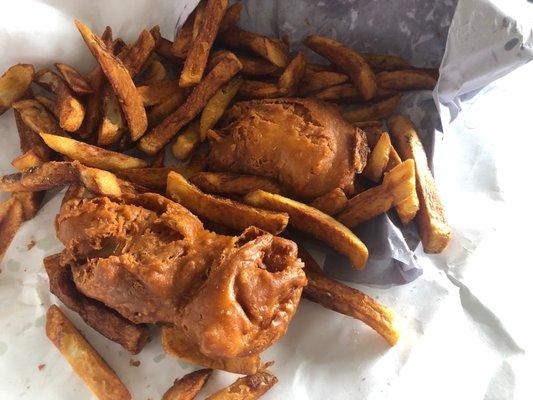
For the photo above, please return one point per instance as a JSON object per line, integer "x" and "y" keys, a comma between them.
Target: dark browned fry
{"x": 182, "y": 43}
{"x": 155, "y": 72}
{"x": 406, "y": 80}
{"x": 255, "y": 66}
{"x": 154, "y": 177}
{"x": 293, "y": 74}
{"x": 347, "y": 92}
{"x": 232, "y": 184}
{"x": 259, "y": 90}
{"x": 159, "y": 112}
{"x": 136, "y": 56}
{"x": 37, "y": 118}
{"x": 44, "y": 177}
{"x": 188, "y": 386}
{"x": 246, "y": 388}
{"x": 385, "y": 62}
{"x": 378, "y": 110}
{"x": 11, "y": 217}
{"x": 231, "y": 16}
{"x": 74, "y": 80}
{"x": 13, "y": 84}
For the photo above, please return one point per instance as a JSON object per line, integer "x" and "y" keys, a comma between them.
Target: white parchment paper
{"x": 466, "y": 321}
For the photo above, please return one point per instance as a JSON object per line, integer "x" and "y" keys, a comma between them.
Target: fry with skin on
{"x": 320, "y": 80}
{"x": 112, "y": 125}
{"x": 189, "y": 30}
{"x": 433, "y": 227}
{"x": 14, "y": 83}
{"x": 135, "y": 57}
{"x": 37, "y": 118}
{"x": 232, "y": 184}
{"x": 11, "y": 217}
{"x": 188, "y": 386}
{"x": 49, "y": 104}
{"x": 251, "y": 89}
{"x": 330, "y": 203}
{"x": 159, "y": 112}
{"x": 223, "y": 211}
{"x": 347, "y": 59}
{"x": 155, "y": 72}
{"x": 157, "y": 92}
{"x": 378, "y": 110}
{"x": 385, "y": 62}
{"x": 83, "y": 358}
{"x": 154, "y": 177}
{"x": 316, "y": 223}
{"x": 293, "y": 74}
{"x": 231, "y": 17}
{"x": 378, "y": 158}
{"x": 255, "y": 66}
{"x": 158, "y": 137}
{"x": 187, "y": 141}
{"x": 406, "y": 80}
{"x": 347, "y": 92}
{"x": 246, "y": 388}
{"x": 30, "y": 159}
{"x": 75, "y": 81}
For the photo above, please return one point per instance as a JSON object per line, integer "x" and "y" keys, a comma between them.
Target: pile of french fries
{"x": 77, "y": 128}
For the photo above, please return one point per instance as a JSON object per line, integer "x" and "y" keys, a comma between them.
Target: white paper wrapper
{"x": 466, "y": 324}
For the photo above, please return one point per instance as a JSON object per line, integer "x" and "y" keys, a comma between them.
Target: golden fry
{"x": 112, "y": 126}
{"x": 100, "y": 181}
{"x": 385, "y": 62}
{"x": 187, "y": 141}
{"x": 246, "y": 388}
{"x": 154, "y": 177}
{"x": 31, "y": 158}
{"x": 320, "y": 80}
{"x": 259, "y": 90}
{"x": 406, "y": 80}
{"x": 232, "y": 184}
{"x": 75, "y": 81}
{"x": 330, "y": 203}
{"x": 378, "y": 158}
{"x": 14, "y": 83}
{"x": 37, "y": 118}
{"x": 43, "y": 177}
{"x": 377, "y": 110}
{"x": 11, "y": 217}
{"x": 394, "y": 159}
{"x": 188, "y": 386}
{"x": 136, "y": 56}
{"x": 293, "y": 74}
{"x": 158, "y": 92}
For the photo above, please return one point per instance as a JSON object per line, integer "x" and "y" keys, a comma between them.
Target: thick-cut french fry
{"x": 259, "y": 90}
{"x": 320, "y": 80}
{"x": 100, "y": 181}
{"x": 314, "y": 222}
{"x": 176, "y": 344}
{"x": 249, "y": 387}
{"x": 330, "y": 203}
{"x": 293, "y": 74}
{"x": 223, "y": 211}
{"x": 155, "y": 72}
{"x": 268, "y": 48}
{"x": 385, "y": 62}
{"x": 187, "y": 141}
{"x": 11, "y": 217}
{"x": 347, "y": 59}
{"x": 91, "y": 155}
{"x": 196, "y": 61}
{"x": 188, "y": 386}
{"x": 120, "y": 80}
{"x": 112, "y": 126}
{"x": 70, "y": 110}
{"x": 83, "y": 358}
{"x": 256, "y": 66}
{"x": 159, "y": 112}
{"x": 14, "y": 83}
{"x": 406, "y": 80}
{"x": 232, "y": 184}
{"x": 29, "y": 159}
{"x": 97, "y": 315}
{"x": 157, "y": 92}
{"x": 135, "y": 57}
{"x": 74, "y": 80}
{"x": 37, "y": 118}
{"x": 378, "y": 158}
{"x": 431, "y": 221}
{"x": 182, "y": 43}
{"x": 378, "y": 110}
{"x": 154, "y": 177}
{"x": 346, "y": 300}
{"x": 50, "y": 104}
{"x": 231, "y": 17}
{"x": 217, "y": 104}
{"x": 154, "y": 141}
{"x": 347, "y": 92}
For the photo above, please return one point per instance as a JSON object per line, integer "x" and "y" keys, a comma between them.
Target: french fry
{"x": 31, "y": 158}
{"x": 293, "y": 74}
{"x": 378, "y": 158}
{"x": 347, "y": 92}
{"x": 157, "y": 92}
{"x": 112, "y": 126}
{"x": 223, "y": 211}
{"x": 90, "y": 155}
{"x": 394, "y": 159}
{"x": 83, "y": 358}
{"x": 385, "y": 62}
{"x": 378, "y": 110}
{"x": 431, "y": 220}
{"x": 182, "y": 43}
{"x": 256, "y": 66}
{"x": 268, "y": 48}
{"x": 231, "y": 17}
{"x": 100, "y": 181}
{"x": 406, "y": 80}
{"x": 215, "y": 107}
{"x": 346, "y": 300}
{"x": 159, "y": 112}
{"x": 14, "y": 83}
{"x": 317, "y": 81}
{"x": 330, "y": 203}
{"x": 196, "y": 61}
{"x": 11, "y": 217}
{"x": 187, "y": 141}
{"x": 75, "y": 81}
{"x": 159, "y": 159}
{"x": 314, "y": 68}
{"x": 97, "y": 315}
{"x": 176, "y": 344}
{"x": 232, "y": 184}
{"x": 155, "y": 72}
{"x": 37, "y": 118}
{"x": 259, "y": 90}
{"x": 312, "y": 221}
{"x": 120, "y": 80}
{"x": 29, "y": 139}
{"x": 246, "y": 388}
{"x": 154, "y": 141}
{"x": 396, "y": 187}
{"x": 43, "y": 177}
{"x": 372, "y": 129}
{"x": 49, "y": 104}
{"x": 30, "y": 203}
{"x": 71, "y": 111}
{"x": 347, "y": 59}
{"x": 154, "y": 177}
{"x": 188, "y": 386}
{"x": 135, "y": 57}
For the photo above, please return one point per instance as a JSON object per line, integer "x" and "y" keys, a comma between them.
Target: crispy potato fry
{"x": 30, "y": 203}
{"x": 347, "y": 92}
{"x": 158, "y": 92}
{"x": 14, "y": 83}
{"x": 154, "y": 141}
{"x": 330, "y": 203}
{"x": 29, "y": 139}
{"x": 97, "y": 315}
{"x": 394, "y": 159}
{"x": 30, "y": 159}
{"x": 196, "y": 61}
{"x": 83, "y": 358}
{"x": 385, "y": 62}
{"x": 182, "y": 43}
{"x": 268, "y": 48}
{"x": 378, "y": 158}
{"x": 43, "y": 177}
{"x": 49, "y": 104}
{"x": 378, "y": 110}
{"x": 120, "y": 80}
{"x": 37, "y": 118}
{"x": 314, "y": 67}
{"x": 431, "y": 221}
{"x": 215, "y": 107}
{"x": 75, "y": 81}
{"x": 314, "y": 222}
{"x": 71, "y": 111}
{"x": 259, "y": 90}
{"x": 347, "y": 59}
{"x": 292, "y": 75}
{"x": 112, "y": 126}
{"x": 256, "y": 66}
{"x": 100, "y": 181}
{"x": 232, "y": 184}
{"x": 246, "y": 388}
{"x": 92, "y": 156}
{"x": 93, "y": 103}
{"x": 395, "y": 188}
{"x": 154, "y": 177}
{"x": 320, "y": 80}
{"x": 155, "y": 72}
{"x": 187, "y": 141}
{"x": 188, "y": 386}
{"x": 406, "y": 80}
{"x": 11, "y": 217}
{"x": 223, "y": 211}
{"x": 160, "y": 111}
{"x": 372, "y": 129}
{"x": 346, "y": 300}
{"x": 231, "y": 17}
{"x": 135, "y": 57}
{"x": 175, "y": 343}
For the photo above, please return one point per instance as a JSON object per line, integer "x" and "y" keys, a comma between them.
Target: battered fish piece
{"x": 306, "y": 145}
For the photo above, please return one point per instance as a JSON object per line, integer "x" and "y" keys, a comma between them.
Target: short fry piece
{"x": 431, "y": 221}
{"x": 83, "y": 358}
{"x": 154, "y": 177}
{"x": 259, "y": 90}
{"x": 320, "y": 80}
{"x": 187, "y": 141}
{"x": 77, "y": 83}
{"x": 112, "y": 126}
{"x": 188, "y": 386}
{"x": 11, "y": 217}
{"x": 223, "y": 211}
{"x": 215, "y": 107}
{"x": 385, "y": 62}
{"x": 157, "y": 92}
{"x": 350, "y": 61}
{"x": 37, "y": 118}
{"x": 330, "y": 203}
{"x": 232, "y": 184}
{"x": 14, "y": 83}
{"x": 377, "y": 110}
{"x": 314, "y": 222}
{"x": 30, "y": 159}
{"x": 293, "y": 74}
{"x": 378, "y": 158}
{"x": 91, "y": 155}
{"x": 246, "y": 388}
{"x": 406, "y": 80}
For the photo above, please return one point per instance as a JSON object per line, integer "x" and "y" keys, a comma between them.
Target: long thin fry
{"x": 406, "y": 80}
{"x": 232, "y": 184}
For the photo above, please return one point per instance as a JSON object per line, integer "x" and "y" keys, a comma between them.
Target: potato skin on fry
{"x": 73, "y": 79}
{"x": 14, "y": 83}
{"x": 378, "y": 110}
